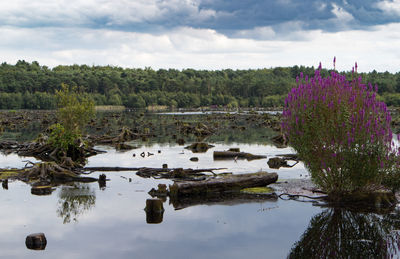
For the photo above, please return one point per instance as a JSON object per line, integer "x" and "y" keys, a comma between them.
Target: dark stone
{"x": 36, "y": 241}
{"x": 194, "y": 159}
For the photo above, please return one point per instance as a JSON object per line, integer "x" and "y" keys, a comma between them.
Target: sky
{"x": 203, "y": 34}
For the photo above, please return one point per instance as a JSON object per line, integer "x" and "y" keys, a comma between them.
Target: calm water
{"x": 84, "y": 221}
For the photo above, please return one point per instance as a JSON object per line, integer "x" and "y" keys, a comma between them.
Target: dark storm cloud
{"x": 230, "y": 17}
{"x": 312, "y": 14}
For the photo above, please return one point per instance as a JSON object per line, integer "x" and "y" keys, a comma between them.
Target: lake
{"x": 82, "y": 220}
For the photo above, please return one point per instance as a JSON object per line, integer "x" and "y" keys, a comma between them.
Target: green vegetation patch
{"x": 258, "y": 190}
{"x": 8, "y": 174}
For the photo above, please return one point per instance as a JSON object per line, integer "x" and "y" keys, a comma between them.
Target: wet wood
{"x": 221, "y": 155}
{"x": 158, "y": 173}
{"x": 230, "y": 183}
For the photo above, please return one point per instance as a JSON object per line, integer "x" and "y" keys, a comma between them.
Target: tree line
{"x": 33, "y": 86}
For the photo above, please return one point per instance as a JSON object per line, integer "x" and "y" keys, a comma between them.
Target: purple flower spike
{"x": 324, "y": 118}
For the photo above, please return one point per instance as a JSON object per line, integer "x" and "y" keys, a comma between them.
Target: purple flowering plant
{"x": 342, "y": 133}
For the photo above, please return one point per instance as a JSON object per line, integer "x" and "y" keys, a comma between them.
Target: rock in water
{"x": 36, "y": 241}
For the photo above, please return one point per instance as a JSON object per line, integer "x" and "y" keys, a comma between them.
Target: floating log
{"x": 230, "y": 183}
{"x": 36, "y": 241}
{"x": 221, "y": 155}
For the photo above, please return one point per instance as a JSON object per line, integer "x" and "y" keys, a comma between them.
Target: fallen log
{"x": 221, "y": 155}
{"x": 231, "y": 183}
{"x": 110, "y": 169}
{"x": 160, "y": 173}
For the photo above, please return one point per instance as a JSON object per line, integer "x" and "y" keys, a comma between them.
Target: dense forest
{"x": 32, "y": 86}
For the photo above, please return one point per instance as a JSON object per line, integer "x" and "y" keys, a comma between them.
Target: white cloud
{"x": 94, "y": 12}
{"x": 342, "y": 18}
{"x": 202, "y": 48}
{"x": 390, "y": 7}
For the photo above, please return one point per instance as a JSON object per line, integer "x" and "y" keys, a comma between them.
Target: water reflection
{"x": 154, "y": 211}
{"x": 74, "y": 201}
{"x": 341, "y": 233}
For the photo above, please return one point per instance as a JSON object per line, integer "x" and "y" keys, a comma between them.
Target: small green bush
{"x": 73, "y": 113}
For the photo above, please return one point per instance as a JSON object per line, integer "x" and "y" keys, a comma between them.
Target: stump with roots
{"x": 73, "y": 157}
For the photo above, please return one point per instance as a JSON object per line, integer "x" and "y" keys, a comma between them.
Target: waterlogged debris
{"x": 44, "y": 175}
{"x": 199, "y": 147}
{"x": 161, "y": 191}
{"x": 278, "y": 162}
{"x": 280, "y": 141}
{"x": 176, "y": 173}
{"x": 223, "y": 155}
{"x": 230, "y": 183}
{"x": 124, "y": 147}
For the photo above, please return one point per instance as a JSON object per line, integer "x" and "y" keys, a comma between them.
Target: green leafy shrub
{"x": 73, "y": 113}
{"x": 342, "y": 133}
{"x": 60, "y": 138}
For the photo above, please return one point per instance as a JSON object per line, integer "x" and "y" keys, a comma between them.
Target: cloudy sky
{"x": 202, "y": 34}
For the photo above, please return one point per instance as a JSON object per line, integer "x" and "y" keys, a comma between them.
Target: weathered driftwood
{"x": 227, "y": 199}
{"x": 72, "y": 158}
{"x": 221, "y": 155}
{"x": 44, "y": 174}
{"x": 230, "y": 183}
